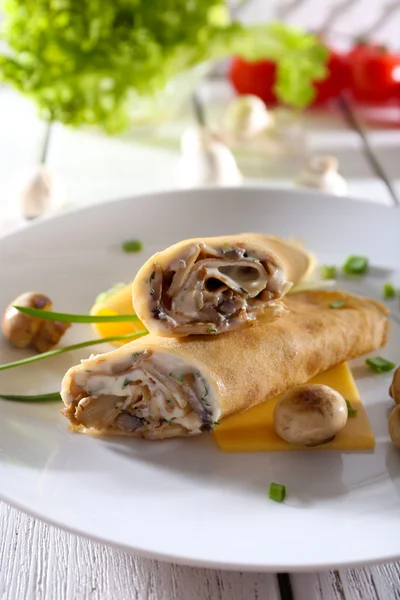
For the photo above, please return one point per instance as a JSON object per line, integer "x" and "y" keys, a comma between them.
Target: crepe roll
{"x": 165, "y": 387}
{"x": 215, "y": 285}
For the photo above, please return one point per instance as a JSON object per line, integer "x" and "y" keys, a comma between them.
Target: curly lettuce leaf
{"x": 79, "y": 61}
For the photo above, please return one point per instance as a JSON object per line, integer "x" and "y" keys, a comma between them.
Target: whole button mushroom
{"x": 247, "y": 117}
{"x": 24, "y": 330}
{"x": 310, "y": 415}
{"x": 321, "y": 172}
{"x": 394, "y": 426}
{"x": 394, "y": 389}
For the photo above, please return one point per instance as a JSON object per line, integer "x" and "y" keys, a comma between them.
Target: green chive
{"x": 179, "y": 378}
{"x": 337, "y": 304}
{"x": 277, "y": 492}
{"x": 389, "y": 291}
{"x": 355, "y": 265}
{"x": 328, "y": 272}
{"x": 211, "y": 330}
{"x": 352, "y": 411}
{"x": 126, "y": 382}
{"x": 48, "y": 315}
{"x": 216, "y": 423}
{"x": 50, "y": 353}
{"x": 132, "y": 246}
{"x": 52, "y": 397}
{"x": 379, "y": 364}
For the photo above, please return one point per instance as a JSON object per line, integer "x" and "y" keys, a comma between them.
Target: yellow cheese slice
{"x": 119, "y": 303}
{"x": 253, "y": 430}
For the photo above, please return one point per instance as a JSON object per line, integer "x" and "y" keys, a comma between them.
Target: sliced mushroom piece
{"x": 99, "y": 412}
{"x": 128, "y": 422}
{"x": 310, "y": 415}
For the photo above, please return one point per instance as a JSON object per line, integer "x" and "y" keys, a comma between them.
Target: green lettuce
{"x": 80, "y": 60}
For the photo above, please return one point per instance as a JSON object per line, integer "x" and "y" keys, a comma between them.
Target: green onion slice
{"x": 380, "y": 364}
{"x": 352, "y": 411}
{"x": 48, "y": 315}
{"x": 389, "y": 291}
{"x": 355, "y": 265}
{"x": 277, "y": 492}
{"x": 337, "y": 304}
{"x": 132, "y": 246}
{"x": 328, "y": 272}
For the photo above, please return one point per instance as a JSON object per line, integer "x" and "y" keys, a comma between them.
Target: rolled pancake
{"x": 165, "y": 387}
{"x": 215, "y": 285}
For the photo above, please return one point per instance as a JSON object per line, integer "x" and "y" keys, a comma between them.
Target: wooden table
{"x": 40, "y": 562}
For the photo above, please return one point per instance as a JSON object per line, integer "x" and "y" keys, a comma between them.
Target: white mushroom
{"x": 394, "y": 426}
{"x": 310, "y": 415}
{"x": 23, "y": 330}
{"x": 246, "y": 117}
{"x": 206, "y": 160}
{"x": 321, "y": 172}
{"x": 35, "y": 191}
{"x": 394, "y": 389}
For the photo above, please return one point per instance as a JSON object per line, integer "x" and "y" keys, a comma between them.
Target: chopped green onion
{"x": 215, "y": 423}
{"x": 179, "y": 378}
{"x": 337, "y": 304}
{"x": 328, "y": 272}
{"x": 355, "y": 265}
{"x": 48, "y": 315}
{"x": 50, "y": 353}
{"x": 132, "y": 246}
{"x": 52, "y": 397}
{"x": 379, "y": 364}
{"x": 211, "y": 330}
{"x": 277, "y": 492}
{"x": 352, "y": 411}
{"x": 389, "y": 291}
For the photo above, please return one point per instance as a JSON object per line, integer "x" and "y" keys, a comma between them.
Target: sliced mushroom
{"x": 310, "y": 415}
{"x": 99, "y": 412}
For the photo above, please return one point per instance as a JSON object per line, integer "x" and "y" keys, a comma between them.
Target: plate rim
{"x": 362, "y": 203}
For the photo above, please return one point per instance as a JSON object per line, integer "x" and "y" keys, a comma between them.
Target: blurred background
{"x": 106, "y": 98}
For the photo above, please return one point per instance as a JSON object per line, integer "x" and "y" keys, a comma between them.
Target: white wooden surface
{"x": 39, "y": 562}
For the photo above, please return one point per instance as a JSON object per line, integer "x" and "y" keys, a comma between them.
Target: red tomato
{"x": 336, "y": 81}
{"x": 256, "y": 78}
{"x": 359, "y": 49}
{"x": 375, "y": 75}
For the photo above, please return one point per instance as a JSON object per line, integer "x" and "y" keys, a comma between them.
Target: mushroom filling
{"x": 149, "y": 394}
{"x": 211, "y": 290}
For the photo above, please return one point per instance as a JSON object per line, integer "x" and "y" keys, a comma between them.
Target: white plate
{"x": 183, "y": 500}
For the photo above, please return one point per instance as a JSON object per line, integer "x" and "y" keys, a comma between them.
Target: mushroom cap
{"x": 394, "y": 426}
{"x": 309, "y": 415}
{"x": 247, "y": 116}
{"x": 394, "y": 389}
{"x": 18, "y": 328}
